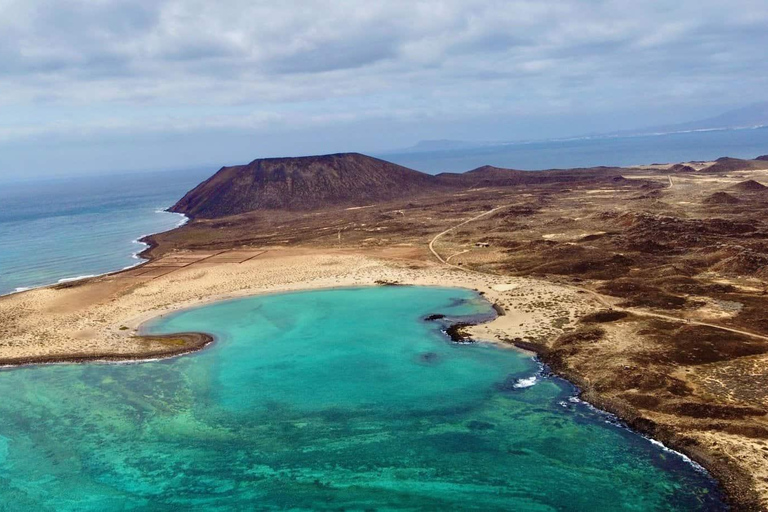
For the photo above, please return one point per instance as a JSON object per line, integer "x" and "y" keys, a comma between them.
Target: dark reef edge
{"x": 192, "y": 342}
{"x": 735, "y": 485}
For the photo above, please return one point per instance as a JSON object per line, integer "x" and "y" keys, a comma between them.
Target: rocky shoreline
{"x": 736, "y": 483}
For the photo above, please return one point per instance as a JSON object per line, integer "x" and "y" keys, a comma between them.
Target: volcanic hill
{"x": 721, "y": 198}
{"x": 490, "y": 176}
{"x": 302, "y": 183}
{"x": 749, "y": 186}
{"x": 348, "y": 180}
{"x": 681, "y": 168}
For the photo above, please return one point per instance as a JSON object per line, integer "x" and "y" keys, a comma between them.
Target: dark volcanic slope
{"x": 489, "y": 176}
{"x": 727, "y": 164}
{"x": 749, "y": 186}
{"x": 302, "y": 183}
{"x": 681, "y": 168}
{"x": 721, "y": 198}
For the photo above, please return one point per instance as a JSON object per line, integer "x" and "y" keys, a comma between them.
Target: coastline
{"x": 734, "y": 482}
{"x": 193, "y": 342}
{"x": 112, "y": 309}
{"x": 145, "y": 240}
{"x": 139, "y": 255}
{"x": 457, "y": 332}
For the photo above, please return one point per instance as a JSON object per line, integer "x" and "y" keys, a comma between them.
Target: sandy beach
{"x": 102, "y": 316}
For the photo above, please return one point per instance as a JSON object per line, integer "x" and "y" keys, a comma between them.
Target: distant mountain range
{"x": 752, "y": 116}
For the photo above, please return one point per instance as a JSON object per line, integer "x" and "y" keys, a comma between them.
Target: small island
{"x": 644, "y": 286}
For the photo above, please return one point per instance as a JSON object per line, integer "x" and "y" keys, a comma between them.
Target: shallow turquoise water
{"x": 341, "y": 399}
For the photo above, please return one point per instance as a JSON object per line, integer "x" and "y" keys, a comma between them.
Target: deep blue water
{"x": 618, "y": 151}
{"x": 64, "y": 228}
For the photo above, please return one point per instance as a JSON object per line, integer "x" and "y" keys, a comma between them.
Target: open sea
{"x": 67, "y": 228}
{"x": 71, "y": 227}
{"x": 342, "y": 399}
{"x": 591, "y": 152}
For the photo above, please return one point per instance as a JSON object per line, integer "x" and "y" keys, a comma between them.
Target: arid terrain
{"x": 646, "y": 286}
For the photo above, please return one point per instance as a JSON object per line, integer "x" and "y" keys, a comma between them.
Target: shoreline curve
{"x": 734, "y": 484}
{"x": 191, "y": 342}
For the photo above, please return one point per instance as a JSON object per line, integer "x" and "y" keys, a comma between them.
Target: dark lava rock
{"x": 509, "y": 384}
{"x": 682, "y": 168}
{"x": 433, "y": 317}
{"x": 749, "y": 186}
{"x": 607, "y": 315}
{"x": 714, "y": 411}
{"x": 727, "y": 164}
{"x": 383, "y": 282}
{"x": 457, "y": 334}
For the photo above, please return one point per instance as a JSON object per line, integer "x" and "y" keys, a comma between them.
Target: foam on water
{"x": 526, "y": 382}
{"x": 73, "y": 279}
{"x": 615, "y": 420}
{"x": 53, "y": 230}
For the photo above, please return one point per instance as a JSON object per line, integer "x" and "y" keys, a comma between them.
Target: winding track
{"x": 432, "y": 242}
{"x": 600, "y": 298}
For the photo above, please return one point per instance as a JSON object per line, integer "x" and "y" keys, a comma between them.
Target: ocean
{"x": 67, "y": 228}
{"x": 344, "y": 399}
{"x": 54, "y": 229}
{"x": 591, "y": 152}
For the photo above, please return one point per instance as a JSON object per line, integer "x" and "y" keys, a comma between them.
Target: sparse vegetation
{"x": 608, "y": 315}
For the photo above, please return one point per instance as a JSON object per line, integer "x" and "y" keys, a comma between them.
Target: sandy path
{"x": 439, "y": 235}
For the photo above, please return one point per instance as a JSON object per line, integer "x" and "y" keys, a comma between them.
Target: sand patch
{"x": 102, "y": 316}
{"x": 505, "y": 287}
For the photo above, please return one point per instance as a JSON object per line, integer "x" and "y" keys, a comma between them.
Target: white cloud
{"x": 341, "y": 59}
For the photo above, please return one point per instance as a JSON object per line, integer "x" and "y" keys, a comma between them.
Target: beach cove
{"x": 318, "y": 400}
{"x": 100, "y": 319}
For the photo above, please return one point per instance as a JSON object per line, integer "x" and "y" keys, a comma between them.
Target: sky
{"x": 114, "y": 85}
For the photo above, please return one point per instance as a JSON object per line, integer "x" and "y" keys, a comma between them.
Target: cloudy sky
{"x": 89, "y": 85}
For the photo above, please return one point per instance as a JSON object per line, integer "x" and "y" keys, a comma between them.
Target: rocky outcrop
{"x": 682, "y": 168}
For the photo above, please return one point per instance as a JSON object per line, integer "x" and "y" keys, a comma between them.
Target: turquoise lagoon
{"x": 341, "y": 399}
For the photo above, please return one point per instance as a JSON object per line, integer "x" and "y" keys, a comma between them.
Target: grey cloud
{"x": 336, "y": 55}
{"x": 423, "y": 56}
